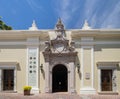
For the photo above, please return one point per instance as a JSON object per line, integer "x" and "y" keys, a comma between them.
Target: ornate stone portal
{"x": 60, "y": 51}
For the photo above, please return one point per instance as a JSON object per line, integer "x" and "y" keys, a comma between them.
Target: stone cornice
{"x": 108, "y": 63}
{"x": 43, "y": 34}
{"x": 79, "y": 43}
{"x": 96, "y": 33}
{"x": 23, "y": 34}
{"x": 8, "y": 63}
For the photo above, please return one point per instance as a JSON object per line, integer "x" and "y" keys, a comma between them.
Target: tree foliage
{"x": 3, "y": 26}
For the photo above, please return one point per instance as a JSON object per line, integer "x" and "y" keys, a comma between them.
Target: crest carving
{"x": 60, "y": 46}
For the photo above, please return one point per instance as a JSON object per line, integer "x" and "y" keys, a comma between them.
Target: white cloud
{"x": 35, "y": 6}
{"x": 87, "y": 12}
{"x": 65, "y": 9}
{"x": 101, "y": 14}
{"x": 113, "y": 20}
{"x": 90, "y": 7}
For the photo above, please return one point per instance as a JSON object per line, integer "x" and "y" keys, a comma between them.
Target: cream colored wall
{"x": 101, "y": 53}
{"x": 110, "y": 54}
{"x": 78, "y": 60}
{"x": 42, "y": 74}
{"x": 87, "y": 66}
{"x": 14, "y": 54}
{"x": 78, "y": 74}
{"x": 52, "y": 35}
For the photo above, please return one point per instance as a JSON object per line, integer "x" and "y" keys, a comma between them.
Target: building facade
{"x": 82, "y": 61}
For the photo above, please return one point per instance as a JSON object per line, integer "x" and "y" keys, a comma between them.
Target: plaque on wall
{"x": 87, "y": 76}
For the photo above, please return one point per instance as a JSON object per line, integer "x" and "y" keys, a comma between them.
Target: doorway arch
{"x": 59, "y": 78}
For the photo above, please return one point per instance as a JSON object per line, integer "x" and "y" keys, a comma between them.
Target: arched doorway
{"x": 59, "y": 79}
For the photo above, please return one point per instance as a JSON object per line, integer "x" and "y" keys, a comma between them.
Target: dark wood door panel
{"x": 106, "y": 80}
{"x": 8, "y": 79}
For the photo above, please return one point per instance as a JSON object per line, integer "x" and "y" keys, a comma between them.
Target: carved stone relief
{"x": 59, "y": 51}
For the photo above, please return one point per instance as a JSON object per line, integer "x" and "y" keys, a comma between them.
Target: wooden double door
{"x": 8, "y": 79}
{"x": 106, "y": 80}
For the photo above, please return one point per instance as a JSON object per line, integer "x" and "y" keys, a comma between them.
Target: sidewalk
{"x": 56, "y": 96}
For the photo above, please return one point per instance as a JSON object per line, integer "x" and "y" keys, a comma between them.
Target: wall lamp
{"x": 41, "y": 67}
{"x": 78, "y": 68}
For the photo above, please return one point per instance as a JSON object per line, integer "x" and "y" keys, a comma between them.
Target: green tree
{"x": 3, "y": 26}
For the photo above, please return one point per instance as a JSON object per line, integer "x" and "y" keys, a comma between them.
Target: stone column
{"x": 47, "y": 78}
{"x": 72, "y": 78}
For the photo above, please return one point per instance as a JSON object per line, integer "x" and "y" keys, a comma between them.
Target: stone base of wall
{"x": 35, "y": 90}
{"x": 87, "y": 90}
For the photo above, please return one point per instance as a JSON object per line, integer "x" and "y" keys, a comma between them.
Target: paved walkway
{"x": 56, "y": 96}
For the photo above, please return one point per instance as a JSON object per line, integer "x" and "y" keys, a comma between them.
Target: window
{"x": 107, "y": 76}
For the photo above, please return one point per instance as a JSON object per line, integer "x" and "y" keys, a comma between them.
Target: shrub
{"x": 27, "y": 88}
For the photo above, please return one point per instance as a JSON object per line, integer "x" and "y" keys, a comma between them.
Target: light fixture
{"x": 78, "y": 68}
{"x": 41, "y": 67}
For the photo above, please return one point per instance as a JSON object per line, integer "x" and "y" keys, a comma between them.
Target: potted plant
{"x": 27, "y": 90}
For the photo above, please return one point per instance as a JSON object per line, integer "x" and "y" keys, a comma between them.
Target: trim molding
{"x": 77, "y": 43}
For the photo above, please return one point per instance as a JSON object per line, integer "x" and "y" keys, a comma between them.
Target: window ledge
{"x": 9, "y": 91}
{"x": 108, "y": 93}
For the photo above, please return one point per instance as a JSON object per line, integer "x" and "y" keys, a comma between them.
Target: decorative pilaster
{"x": 47, "y": 78}
{"x": 0, "y": 80}
{"x": 72, "y": 77}
{"x": 87, "y": 66}
{"x": 33, "y": 64}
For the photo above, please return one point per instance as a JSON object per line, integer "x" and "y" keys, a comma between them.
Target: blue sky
{"x": 99, "y": 13}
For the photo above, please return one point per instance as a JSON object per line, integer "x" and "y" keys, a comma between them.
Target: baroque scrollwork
{"x": 47, "y": 46}
{"x": 72, "y": 46}
{"x": 59, "y": 49}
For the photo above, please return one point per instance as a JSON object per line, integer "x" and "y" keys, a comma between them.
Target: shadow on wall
{"x": 18, "y": 67}
{"x": 77, "y": 64}
{"x": 118, "y": 67}
{"x": 100, "y": 47}
{"x": 43, "y": 73}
